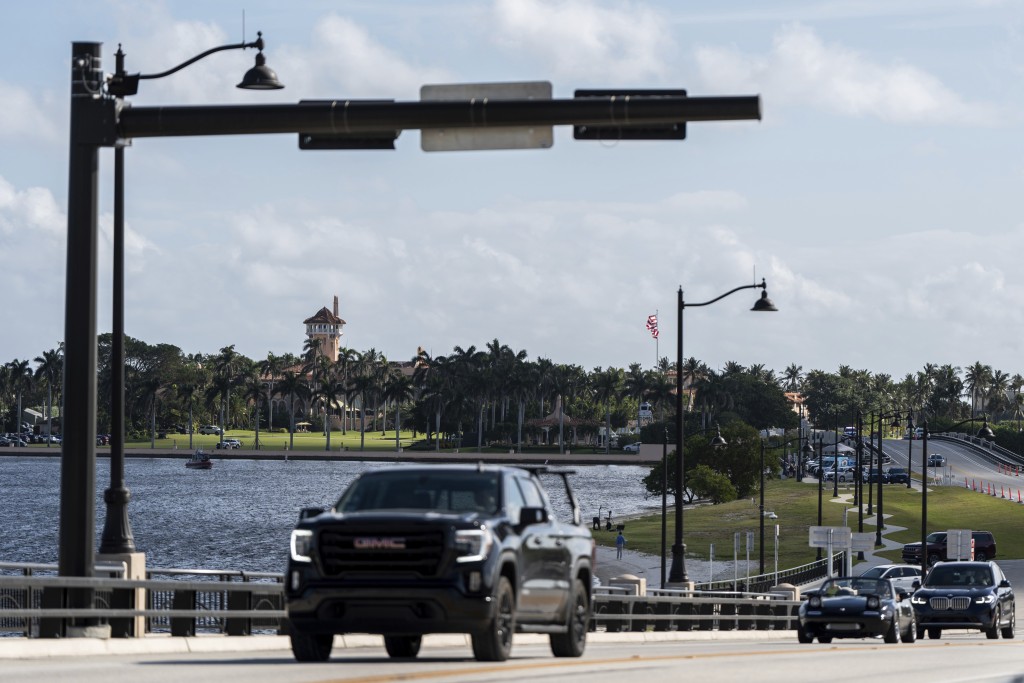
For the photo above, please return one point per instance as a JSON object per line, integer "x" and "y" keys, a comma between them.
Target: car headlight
{"x": 985, "y": 599}
{"x": 873, "y": 602}
{"x": 302, "y": 545}
{"x": 814, "y": 602}
{"x": 472, "y": 545}
{"x": 917, "y": 600}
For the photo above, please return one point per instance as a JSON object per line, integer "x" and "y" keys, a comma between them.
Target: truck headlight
{"x": 472, "y": 545}
{"x": 302, "y": 545}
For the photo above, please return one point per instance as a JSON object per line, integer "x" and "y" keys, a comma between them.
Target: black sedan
{"x": 972, "y": 595}
{"x": 855, "y": 607}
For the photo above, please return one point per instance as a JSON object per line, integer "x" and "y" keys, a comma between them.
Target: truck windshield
{"x": 442, "y": 491}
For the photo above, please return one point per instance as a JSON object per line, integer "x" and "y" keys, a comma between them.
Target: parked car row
{"x": 26, "y": 438}
{"x": 881, "y": 603}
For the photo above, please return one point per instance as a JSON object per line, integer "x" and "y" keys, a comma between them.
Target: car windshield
{"x": 441, "y": 490}
{"x": 959, "y": 575}
{"x": 856, "y": 586}
{"x": 873, "y": 573}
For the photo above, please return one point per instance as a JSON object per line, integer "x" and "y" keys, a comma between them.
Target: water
{"x": 239, "y": 515}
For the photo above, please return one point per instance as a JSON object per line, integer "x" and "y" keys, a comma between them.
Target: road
{"x": 962, "y": 464}
{"x": 961, "y": 657}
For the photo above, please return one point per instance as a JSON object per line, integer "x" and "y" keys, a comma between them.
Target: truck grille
{"x": 942, "y": 604}
{"x": 347, "y": 552}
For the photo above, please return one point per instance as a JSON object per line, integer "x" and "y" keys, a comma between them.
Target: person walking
{"x": 620, "y": 543}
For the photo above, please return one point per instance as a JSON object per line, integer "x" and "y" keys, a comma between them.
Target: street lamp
{"x": 717, "y": 443}
{"x": 880, "y": 523}
{"x": 117, "y": 535}
{"x": 678, "y": 575}
{"x": 984, "y": 433}
{"x": 761, "y": 506}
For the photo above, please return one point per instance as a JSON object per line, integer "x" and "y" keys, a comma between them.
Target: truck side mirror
{"x": 306, "y": 513}
{"x": 530, "y": 515}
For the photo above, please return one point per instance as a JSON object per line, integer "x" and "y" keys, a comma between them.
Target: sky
{"x": 879, "y": 196}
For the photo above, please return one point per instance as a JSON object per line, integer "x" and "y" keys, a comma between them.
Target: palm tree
{"x": 976, "y": 378}
{"x": 792, "y": 376}
{"x": 271, "y": 368}
{"x": 220, "y": 388}
{"x": 187, "y": 392}
{"x": 226, "y": 364}
{"x": 292, "y": 385}
{"x": 151, "y": 388}
{"x": 607, "y": 386}
{"x": 399, "y": 390}
{"x": 49, "y": 370}
{"x": 19, "y": 376}
{"x": 359, "y": 387}
{"x": 253, "y": 392}
{"x": 346, "y": 359}
{"x": 330, "y": 391}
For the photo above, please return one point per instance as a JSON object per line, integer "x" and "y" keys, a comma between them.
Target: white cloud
{"x": 801, "y": 69}
{"x": 23, "y": 116}
{"x": 31, "y": 211}
{"x": 588, "y": 40}
{"x": 345, "y": 58}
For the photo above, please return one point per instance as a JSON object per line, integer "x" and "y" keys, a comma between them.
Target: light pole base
{"x": 677, "y": 572}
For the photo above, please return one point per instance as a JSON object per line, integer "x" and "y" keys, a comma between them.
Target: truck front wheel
{"x": 311, "y": 648}
{"x": 494, "y": 643}
{"x": 574, "y": 640}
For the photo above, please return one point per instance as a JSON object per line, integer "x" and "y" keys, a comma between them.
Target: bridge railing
{"x": 32, "y": 603}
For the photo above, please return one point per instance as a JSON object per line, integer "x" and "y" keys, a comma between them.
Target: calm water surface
{"x": 239, "y": 514}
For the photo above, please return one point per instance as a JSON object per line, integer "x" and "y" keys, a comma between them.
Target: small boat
{"x": 200, "y": 460}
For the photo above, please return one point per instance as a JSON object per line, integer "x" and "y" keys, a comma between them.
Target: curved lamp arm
{"x": 122, "y": 84}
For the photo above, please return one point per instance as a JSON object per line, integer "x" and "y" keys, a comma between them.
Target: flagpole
{"x": 657, "y": 355}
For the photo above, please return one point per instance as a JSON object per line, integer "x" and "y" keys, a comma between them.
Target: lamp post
{"x": 880, "y": 523}
{"x": 821, "y": 479}
{"x": 677, "y": 575}
{"x": 910, "y": 449}
{"x": 117, "y": 535}
{"x": 760, "y": 545}
{"x": 984, "y": 433}
{"x": 99, "y": 118}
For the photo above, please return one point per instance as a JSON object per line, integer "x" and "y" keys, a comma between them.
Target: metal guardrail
{"x": 616, "y": 610}
{"x": 990, "y": 449}
{"x": 797, "y": 576}
{"x": 32, "y": 603}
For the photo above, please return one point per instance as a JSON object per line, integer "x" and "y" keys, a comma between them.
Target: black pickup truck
{"x": 412, "y": 550}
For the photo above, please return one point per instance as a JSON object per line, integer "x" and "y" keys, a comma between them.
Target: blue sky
{"x": 879, "y": 196}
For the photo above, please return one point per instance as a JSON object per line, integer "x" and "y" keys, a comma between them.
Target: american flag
{"x": 652, "y": 325}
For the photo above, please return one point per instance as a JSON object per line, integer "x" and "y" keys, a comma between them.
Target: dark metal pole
{"x": 760, "y": 545}
{"x": 78, "y": 457}
{"x": 924, "y": 497}
{"x": 117, "y": 531}
{"x": 910, "y": 453}
{"x": 872, "y": 466}
{"x": 880, "y": 524}
{"x": 859, "y": 487}
{"x": 800, "y": 447}
{"x": 821, "y": 476}
{"x": 835, "y": 462}
{"x": 677, "y": 574}
{"x": 664, "y": 500}
{"x": 377, "y": 116}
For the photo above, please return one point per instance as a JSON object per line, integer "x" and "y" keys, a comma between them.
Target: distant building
{"x": 325, "y": 326}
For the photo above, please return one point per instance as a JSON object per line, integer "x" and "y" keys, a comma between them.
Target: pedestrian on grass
{"x": 620, "y": 543}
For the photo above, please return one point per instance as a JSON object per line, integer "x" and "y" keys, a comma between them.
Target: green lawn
{"x": 796, "y": 505}
{"x": 315, "y": 441}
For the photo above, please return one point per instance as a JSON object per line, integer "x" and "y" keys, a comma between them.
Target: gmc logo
{"x": 377, "y": 543}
